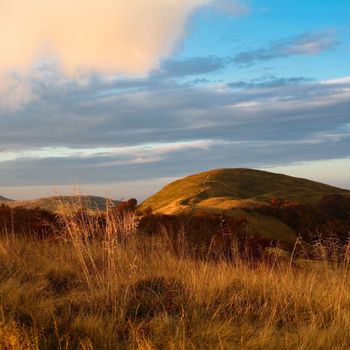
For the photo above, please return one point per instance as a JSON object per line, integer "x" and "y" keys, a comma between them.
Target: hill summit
{"x": 233, "y": 188}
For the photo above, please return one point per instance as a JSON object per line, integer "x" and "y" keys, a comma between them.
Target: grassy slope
{"x": 54, "y": 203}
{"x": 233, "y": 190}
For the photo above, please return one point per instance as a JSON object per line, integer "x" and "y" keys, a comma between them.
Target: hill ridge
{"x": 52, "y": 203}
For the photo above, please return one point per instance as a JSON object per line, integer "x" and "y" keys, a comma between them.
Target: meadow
{"x": 123, "y": 290}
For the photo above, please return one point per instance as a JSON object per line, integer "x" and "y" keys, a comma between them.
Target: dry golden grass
{"x": 122, "y": 291}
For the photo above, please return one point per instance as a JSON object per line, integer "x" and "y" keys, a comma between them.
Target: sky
{"x": 118, "y": 98}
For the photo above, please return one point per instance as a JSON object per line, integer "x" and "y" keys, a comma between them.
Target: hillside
{"x": 236, "y": 192}
{"x": 3, "y": 199}
{"x": 232, "y": 188}
{"x": 54, "y": 203}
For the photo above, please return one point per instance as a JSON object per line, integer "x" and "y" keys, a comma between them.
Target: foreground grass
{"x": 137, "y": 294}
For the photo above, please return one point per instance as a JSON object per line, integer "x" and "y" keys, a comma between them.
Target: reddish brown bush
{"x": 205, "y": 235}
{"x": 329, "y": 217}
{"x": 18, "y": 220}
{"x": 127, "y": 206}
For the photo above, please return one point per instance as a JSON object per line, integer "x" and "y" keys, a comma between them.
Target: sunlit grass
{"x": 119, "y": 290}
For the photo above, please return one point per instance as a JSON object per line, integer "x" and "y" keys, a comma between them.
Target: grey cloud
{"x": 310, "y": 43}
{"x": 191, "y": 66}
{"x": 269, "y": 82}
{"x": 171, "y": 113}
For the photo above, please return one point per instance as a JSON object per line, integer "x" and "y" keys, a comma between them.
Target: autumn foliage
{"x": 329, "y": 217}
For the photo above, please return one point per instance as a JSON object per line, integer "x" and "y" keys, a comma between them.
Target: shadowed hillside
{"x": 3, "y": 199}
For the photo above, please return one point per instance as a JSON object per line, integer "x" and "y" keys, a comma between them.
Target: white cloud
{"x": 341, "y": 81}
{"x": 145, "y": 153}
{"x": 103, "y": 35}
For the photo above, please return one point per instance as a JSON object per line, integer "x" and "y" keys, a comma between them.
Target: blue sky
{"x": 179, "y": 87}
{"x": 215, "y": 33}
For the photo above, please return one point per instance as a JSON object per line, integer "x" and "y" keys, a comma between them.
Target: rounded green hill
{"x": 236, "y": 192}
{"x": 240, "y": 186}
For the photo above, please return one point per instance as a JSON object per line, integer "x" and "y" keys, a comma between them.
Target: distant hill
{"x": 3, "y": 199}
{"x": 55, "y": 203}
{"x": 236, "y": 192}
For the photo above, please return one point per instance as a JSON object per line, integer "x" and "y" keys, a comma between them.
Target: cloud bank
{"x": 108, "y": 130}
